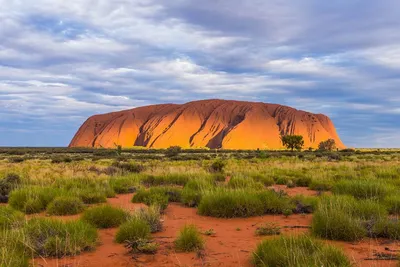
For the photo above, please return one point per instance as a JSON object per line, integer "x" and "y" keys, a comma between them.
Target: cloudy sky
{"x": 62, "y": 61}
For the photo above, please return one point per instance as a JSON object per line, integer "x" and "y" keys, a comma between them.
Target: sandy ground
{"x": 231, "y": 245}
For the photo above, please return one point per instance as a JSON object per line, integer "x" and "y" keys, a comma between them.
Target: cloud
{"x": 62, "y": 61}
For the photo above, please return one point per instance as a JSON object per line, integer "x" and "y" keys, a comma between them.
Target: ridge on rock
{"x": 223, "y": 124}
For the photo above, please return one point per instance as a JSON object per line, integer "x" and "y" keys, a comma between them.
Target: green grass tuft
{"x": 134, "y": 231}
{"x": 105, "y": 216}
{"x": 65, "y": 205}
{"x": 189, "y": 239}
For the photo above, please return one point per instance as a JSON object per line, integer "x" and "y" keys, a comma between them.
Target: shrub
{"x": 90, "y": 196}
{"x": 173, "y": 151}
{"x": 169, "y": 179}
{"x": 133, "y": 231}
{"x": 363, "y": 189}
{"x": 9, "y": 183}
{"x": 33, "y": 199}
{"x": 230, "y": 204}
{"x": 10, "y": 218}
{"x": 268, "y": 229}
{"x": 152, "y": 216}
{"x": 386, "y": 228}
{"x": 274, "y": 203}
{"x": 191, "y": 197}
{"x": 293, "y": 251}
{"x": 61, "y": 159}
{"x": 337, "y": 225}
{"x": 189, "y": 239}
{"x": 54, "y": 238}
{"x": 129, "y": 167}
{"x": 304, "y": 204}
{"x": 105, "y": 216}
{"x": 124, "y": 185}
{"x": 292, "y": 142}
{"x": 158, "y": 196}
{"x": 65, "y": 206}
{"x": 217, "y": 166}
{"x": 328, "y": 145}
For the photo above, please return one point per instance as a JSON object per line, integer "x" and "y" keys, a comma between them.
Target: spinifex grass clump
{"x": 10, "y": 218}
{"x": 242, "y": 203}
{"x": 65, "y": 205}
{"x": 7, "y": 184}
{"x": 54, "y": 238}
{"x": 33, "y": 199}
{"x": 159, "y": 196}
{"x": 298, "y": 251}
{"x": 105, "y": 216}
{"x": 152, "y": 216}
{"x": 194, "y": 190}
{"x": 364, "y": 189}
{"x": 167, "y": 179}
{"x": 125, "y": 184}
{"x": 393, "y": 204}
{"x": 135, "y": 232}
{"x": 12, "y": 252}
{"x": 345, "y": 218}
{"x": 189, "y": 239}
{"x": 244, "y": 183}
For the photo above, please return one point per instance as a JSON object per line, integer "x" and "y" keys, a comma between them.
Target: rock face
{"x": 207, "y": 123}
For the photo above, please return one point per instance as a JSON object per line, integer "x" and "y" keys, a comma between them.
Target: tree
{"x": 293, "y": 142}
{"x": 173, "y": 151}
{"x": 328, "y": 145}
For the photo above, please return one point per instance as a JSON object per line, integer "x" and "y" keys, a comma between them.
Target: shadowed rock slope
{"x": 207, "y": 123}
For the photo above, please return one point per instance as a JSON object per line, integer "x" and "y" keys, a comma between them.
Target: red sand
{"x": 229, "y": 246}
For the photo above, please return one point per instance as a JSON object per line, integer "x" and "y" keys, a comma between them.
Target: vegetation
{"x": 105, "y": 216}
{"x": 152, "y": 216}
{"x": 328, "y": 145}
{"x": 189, "y": 239}
{"x": 268, "y": 229}
{"x": 292, "y": 142}
{"x": 65, "y": 205}
{"x": 135, "y": 232}
{"x": 10, "y": 218}
{"x": 53, "y": 238}
{"x": 298, "y": 251}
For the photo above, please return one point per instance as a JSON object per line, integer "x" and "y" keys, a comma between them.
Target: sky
{"x": 63, "y": 61}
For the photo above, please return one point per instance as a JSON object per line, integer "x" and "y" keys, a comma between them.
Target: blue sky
{"x": 62, "y": 61}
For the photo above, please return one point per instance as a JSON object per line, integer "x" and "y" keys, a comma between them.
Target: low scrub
{"x": 363, "y": 189}
{"x": 296, "y": 251}
{"x": 7, "y": 184}
{"x": 268, "y": 229}
{"x": 10, "y": 218}
{"x": 168, "y": 179}
{"x": 386, "y": 228}
{"x": 152, "y": 216}
{"x": 65, "y": 205}
{"x": 393, "y": 204}
{"x": 242, "y": 203}
{"x": 189, "y": 239}
{"x": 105, "y": 216}
{"x": 12, "y": 252}
{"x": 345, "y": 218}
{"x": 33, "y": 199}
{"x": 159, "y": 196}
{"x": 125, "y": 185}
{"x": 46, "y": 237}
{"x": 135, "y": 231}
{"x": 244, "y": 183}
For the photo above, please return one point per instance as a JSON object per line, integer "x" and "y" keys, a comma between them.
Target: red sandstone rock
{"x": 208, "y": 123}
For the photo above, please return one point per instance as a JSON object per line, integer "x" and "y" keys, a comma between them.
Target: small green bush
{"x": 124, "y": 185}
{"x": 190, "y": 197}
{"x": 386, "y": 228}
{"x": 9, "y": 183}
{"x": 65, "y": 205}
{"x": 268, "y": 229}
{"x": 168, "y": 179}
{"x": 337, "y": 225}
{"x": 105, "y": 216}
{"x": 10, "y": 218}
{"x": 90, "y": 196}
{"x": 33, "y": 199}
{"x": 54, "y": 238}
{"x": 321, "y": 185}
{"x": 159, "y": 196}
{"x": 189, "y": 239}
{"x": 294, "y": 251}
{"x": 217, "y": 166}
{"x": 152, "y": 216}
{"x": 265, "y": 180}
{"x": 133, "y": 231}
